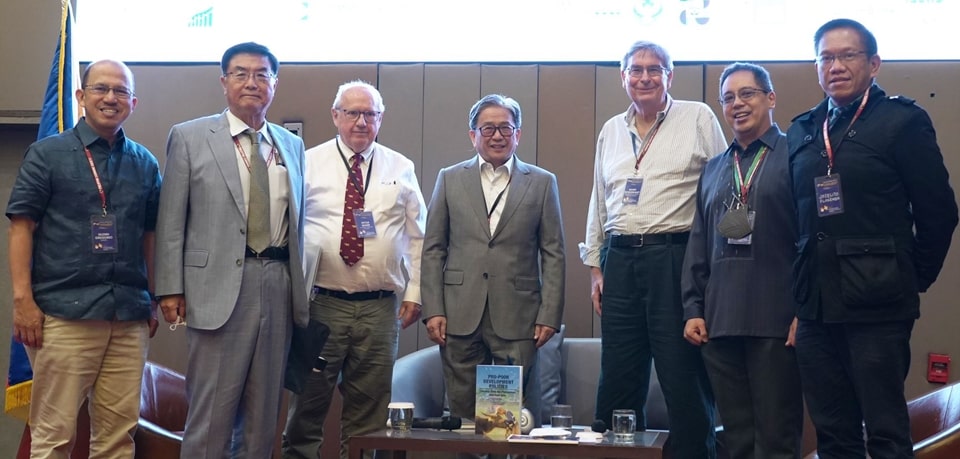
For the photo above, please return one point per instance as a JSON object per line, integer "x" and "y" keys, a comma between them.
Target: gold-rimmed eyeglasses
{"x": 654, "y": 71}
{"x": 829, "y": 59}
{"x": 242, "y": 76}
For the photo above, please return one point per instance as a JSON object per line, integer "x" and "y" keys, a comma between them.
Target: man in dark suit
{"x": 876, "y": 215}
{"x": 229, "y": 249}
{"x": 493, "y": 258}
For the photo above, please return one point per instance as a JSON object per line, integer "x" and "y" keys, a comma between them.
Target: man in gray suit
{"x": 229, "y": 252}
{"x": 493, "y": 258}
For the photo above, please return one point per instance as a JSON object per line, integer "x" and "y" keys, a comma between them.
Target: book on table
{"x": 499, "y": 399}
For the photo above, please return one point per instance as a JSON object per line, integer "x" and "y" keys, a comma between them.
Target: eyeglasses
{"x": 829, "y": 59}
{"x": 654, "y": 71}
{"x": 243, "y": 76}
{"x": 744, "y": 94}
{"x": 488, "y": 131}
{"x": 102, "y": 90}
{"x": 368, "y": 116}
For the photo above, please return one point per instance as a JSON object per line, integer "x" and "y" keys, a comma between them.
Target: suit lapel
{"x": 225, "y": 155}
{"x": 519, "y": 183}
{"x": 470, "y": 179}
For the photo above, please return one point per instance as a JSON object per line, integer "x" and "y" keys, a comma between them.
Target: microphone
{"x": 598, "y": 426}
{"x": 442, "y": 423}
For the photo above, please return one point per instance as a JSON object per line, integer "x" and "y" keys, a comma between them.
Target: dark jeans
{"x": 853, "y": 374}
{"x": 642, "y": 319}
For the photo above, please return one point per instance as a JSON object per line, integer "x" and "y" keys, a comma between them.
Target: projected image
{"x": 505, "y": 31}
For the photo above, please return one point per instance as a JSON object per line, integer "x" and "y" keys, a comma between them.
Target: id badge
{"x": 103, "y": 233}
{"x": 748, "y": 239}
{"x": 365, "y": 226}
{"x": 829, "y": 195}
{"x": 631, "y": 192}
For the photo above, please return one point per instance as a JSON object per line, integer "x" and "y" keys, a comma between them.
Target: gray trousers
{"x": 235, "y": 373}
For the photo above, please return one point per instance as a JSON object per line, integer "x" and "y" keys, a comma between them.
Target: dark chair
{"x": 934, "y": 424}
{"x": 163, "y": 413}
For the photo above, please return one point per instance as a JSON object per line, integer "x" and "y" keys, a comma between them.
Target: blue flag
{"x": 59, "y": 113}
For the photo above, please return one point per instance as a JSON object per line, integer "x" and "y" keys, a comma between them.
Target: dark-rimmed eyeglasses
{"x": 368, "y": 115}
{"x": 488, "y": 131}
{"x": 101, "y": 90}
{"x": 744, "y": 94}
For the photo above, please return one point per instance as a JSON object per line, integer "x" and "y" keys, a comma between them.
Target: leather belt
{"x": 640, "y": 240}
{"x": 270, "y": 253}
{"x": 356, "y": 296}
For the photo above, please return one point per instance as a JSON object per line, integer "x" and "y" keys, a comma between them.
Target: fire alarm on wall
{"x": 938, "y": 368}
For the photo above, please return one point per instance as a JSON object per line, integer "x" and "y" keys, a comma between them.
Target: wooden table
{"x": 646, "y": 445}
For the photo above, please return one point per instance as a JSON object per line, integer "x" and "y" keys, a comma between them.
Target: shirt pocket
{"x": 869, "y": 271}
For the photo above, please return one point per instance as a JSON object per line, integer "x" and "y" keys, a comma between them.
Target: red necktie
{"x": 351, "y": 245}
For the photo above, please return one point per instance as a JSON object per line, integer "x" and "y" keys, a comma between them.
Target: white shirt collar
{"x": 237, "y": 126}
{"x": 508, "y": 164}
{"x": 348, "y": 152}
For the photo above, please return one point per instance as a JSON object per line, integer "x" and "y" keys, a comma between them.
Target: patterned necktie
{"x": 835, "y": 113}
{"x": 258, "y": 210}
{"x": 351, "y": 245}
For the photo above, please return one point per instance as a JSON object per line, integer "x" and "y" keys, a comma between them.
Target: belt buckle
{"x": 641, "y": 241}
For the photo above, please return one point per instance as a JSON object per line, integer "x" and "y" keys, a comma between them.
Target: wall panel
{"x": 566, "y": 142}
{"x": 402, "y": 130}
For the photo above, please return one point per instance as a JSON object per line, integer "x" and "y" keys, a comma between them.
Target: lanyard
{"x": 246, "y": 161}
{"x": 499, "y": 196}
{"x": 96, "y": 178}
{"x": 826, "y": 131}
{"x": 743, "y": 183}
{"x": 361, "y": 188}
{"x": 646, "y": 144}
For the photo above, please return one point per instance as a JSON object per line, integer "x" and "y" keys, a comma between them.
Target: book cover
{"x": 499, "y": 400}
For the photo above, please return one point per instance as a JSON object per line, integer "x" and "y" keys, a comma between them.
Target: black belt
{"x": 640, "y": 240}
{"x": 270, "y": 253}
{"x": 356, "y": 296}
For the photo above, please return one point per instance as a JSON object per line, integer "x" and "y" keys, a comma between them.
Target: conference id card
{"x": 748, "y": 239}
{"x": 829, "y": 195}
{"x": 103, "y": 233}
{"x": 631, "y": 192}
{"x": 365, "y": 225}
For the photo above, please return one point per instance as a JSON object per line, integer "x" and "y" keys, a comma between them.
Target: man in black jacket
{"x": 876, "y": 215}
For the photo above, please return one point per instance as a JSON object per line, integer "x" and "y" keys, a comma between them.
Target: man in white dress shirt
{"x": 648, "y": 161}
{"x": 363, "y": 228}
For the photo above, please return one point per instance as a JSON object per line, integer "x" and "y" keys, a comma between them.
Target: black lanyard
{"x": 363, "y": 190}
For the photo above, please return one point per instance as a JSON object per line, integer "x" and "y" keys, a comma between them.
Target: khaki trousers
{"x": 80, "y": 359}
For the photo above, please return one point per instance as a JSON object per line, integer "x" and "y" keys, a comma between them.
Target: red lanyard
{"x": 653, "y": 132}
{"x": 96, "y": 178}
{"x": 744, "y": 182}
{"x": 246, "y": 161}
{"x": 826, "y": 131}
